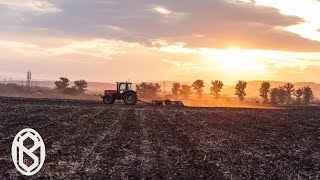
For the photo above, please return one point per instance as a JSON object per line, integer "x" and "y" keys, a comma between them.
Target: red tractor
{"x": 123, "y": 92}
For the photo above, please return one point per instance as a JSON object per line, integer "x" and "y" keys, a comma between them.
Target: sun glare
{"x": 237, "y": 60}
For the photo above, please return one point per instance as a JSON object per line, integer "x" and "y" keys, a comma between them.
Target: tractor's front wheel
{"x": 108, "y": 99}
{"x": 130, "y": 98}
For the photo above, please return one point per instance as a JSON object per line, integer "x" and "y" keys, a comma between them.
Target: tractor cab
{"x": 124, "y": 92}
{"x": 123, "y": 87}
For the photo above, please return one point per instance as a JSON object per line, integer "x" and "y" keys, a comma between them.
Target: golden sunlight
{"x": 237, "y": 60}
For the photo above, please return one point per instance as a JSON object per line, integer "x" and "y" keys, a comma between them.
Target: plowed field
{"x": 86, "y": 139}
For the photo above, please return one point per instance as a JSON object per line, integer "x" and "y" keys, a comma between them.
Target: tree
{"x": 175, "y": 88}
{"x": 216, "y": 88}
{"x": 62, "y": 84}
{"x": 264, "y": 91}
{"x": 307, "y": 95}
{"x": 81, "y": 85}
{"x": 289, "y": 89}
{"x": 71, "y": 91}
{"x": 282, "y": 95}
{"x": 298, "y": 94}
{"x": 198, "y": 87}
{"x": 240, "y": 89}
{"x": 274, "y": 94}
{"x": 148, "y": 90}
{"x": 185, "y": 90}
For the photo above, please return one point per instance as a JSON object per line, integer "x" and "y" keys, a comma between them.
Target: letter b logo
{"x": 19, "y": 151}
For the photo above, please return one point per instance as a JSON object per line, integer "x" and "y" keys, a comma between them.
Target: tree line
{"x": 79, "y": 87}
{"x": 284, "y": 94}
{"x": 278, "y": 95}
{"x": 147, "y": 89}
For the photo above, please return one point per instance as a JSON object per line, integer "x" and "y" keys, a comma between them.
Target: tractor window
{"x": 124, "y": 87}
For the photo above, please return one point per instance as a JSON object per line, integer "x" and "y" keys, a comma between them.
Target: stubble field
{"x": 89, "y": 140}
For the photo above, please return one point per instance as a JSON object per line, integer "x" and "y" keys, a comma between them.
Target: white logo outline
{"x": 17, "y": 157}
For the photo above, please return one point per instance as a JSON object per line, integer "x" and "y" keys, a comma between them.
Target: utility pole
{"x": 28, "y": 84}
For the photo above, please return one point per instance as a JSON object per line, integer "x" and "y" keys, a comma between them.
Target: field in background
{"x": 15, "y": 90}
{"x": 85, "y": 139}
{"x": 207, "y": 100}
{"x": 227, "y": 91}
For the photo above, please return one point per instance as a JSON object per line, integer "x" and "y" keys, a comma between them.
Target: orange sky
{"x": 161, "y": 40}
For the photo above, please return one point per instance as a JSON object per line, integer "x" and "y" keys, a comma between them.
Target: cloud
{"x": 254, "y": 36}
{"x": 40, "y": 6}
{"x": 198, "y": 24}
{"x": 27, "y": 49}
{"x": 100, "y": 48}
{"x": 188, "y": 67}
{"x": 162, "y": 10}
{"x": 97, "y": 48}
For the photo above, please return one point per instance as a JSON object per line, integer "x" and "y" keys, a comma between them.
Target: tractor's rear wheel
{"x": 167, "y": 102}
{"x": 130, "y": 98}
{"x": 108, "y": 99}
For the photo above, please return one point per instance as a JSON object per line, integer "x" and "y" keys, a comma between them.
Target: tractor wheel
{"x": 167, "y": 102}
{"x": 130, "y": 98}
{"x": 108, "y": 100}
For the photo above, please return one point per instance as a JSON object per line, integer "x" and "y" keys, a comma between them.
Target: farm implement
{"x": 167, "y": 102}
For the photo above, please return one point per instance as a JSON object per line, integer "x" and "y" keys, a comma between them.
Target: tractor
{"x": 123, "y": 92}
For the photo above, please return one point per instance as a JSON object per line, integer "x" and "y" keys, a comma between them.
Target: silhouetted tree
{"x": 216, "y": 88}
{"x": 62, "y": 84}
{"x": 185, "y": 90}
{"x": 307, "y": 95}
{"x": 240, "y": 90}
{"x": 146, "y": 89}
{"x": 298, "y": 94}
{"x": 282, "y": 95}
{"x": 274, "y": 95}
{"x": 71, "y": 91}
{"x": 289, "y": 88}
{"x": 175, "y": 88}
{"x": 198, "y": 87}
{"x": 81, "y": 85}
{"x": 264, "y": 91}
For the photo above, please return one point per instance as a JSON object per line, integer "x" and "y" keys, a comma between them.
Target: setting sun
{"x": 237, "y": 60}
